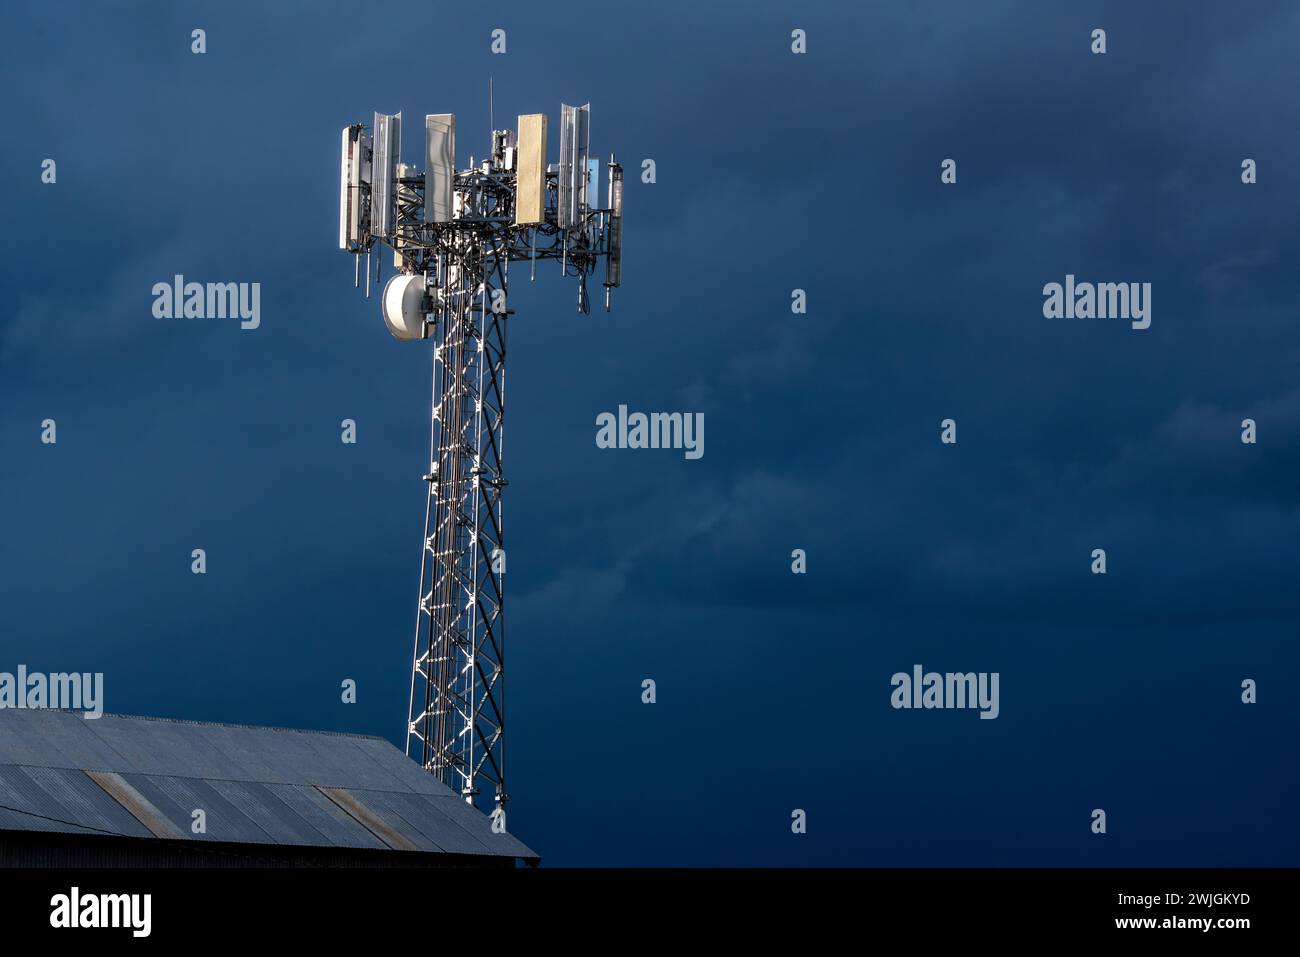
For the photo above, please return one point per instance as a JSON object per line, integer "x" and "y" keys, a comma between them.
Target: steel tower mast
{"x": 454, "y": 234}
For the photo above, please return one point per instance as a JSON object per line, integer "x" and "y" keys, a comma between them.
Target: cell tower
{"x": 453, "y": 234}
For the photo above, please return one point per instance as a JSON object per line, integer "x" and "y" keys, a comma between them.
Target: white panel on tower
{"x": 439, "y": 167}
{"x": 388, "y": 150}
{"x": 580, "y": 161}
{"x": 354, "y": 171}
{"x": 592, "y": 199}
{"x": 530, "y": 204}
{"x": 614, "y": 263}
{"x": 575, "y": 137}
{"x": 345, "y": 168}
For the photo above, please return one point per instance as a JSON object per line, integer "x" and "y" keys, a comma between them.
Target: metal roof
{"x": 144, "y": 777}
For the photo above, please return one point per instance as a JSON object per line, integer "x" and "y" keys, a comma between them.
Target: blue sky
{"x": 775, "y": 172}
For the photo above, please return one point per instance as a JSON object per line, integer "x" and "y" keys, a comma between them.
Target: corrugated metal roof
{"x": 255, "y": 785}
{"x": 394, "y": 832}
{"x": 73, "y": 791}
{"x": 338, "y": 827}
{"x": 437, "y": 827}
{"x": 140, "y": 807}
{"x": 29, "y": 807}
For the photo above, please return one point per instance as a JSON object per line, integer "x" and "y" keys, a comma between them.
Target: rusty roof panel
{"x": 396, "y": 834}
{"x": 337, "y": 826}
{"x": 140, "y": 807}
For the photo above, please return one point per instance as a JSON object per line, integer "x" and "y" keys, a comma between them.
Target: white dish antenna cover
{"x": 404, "y": 307}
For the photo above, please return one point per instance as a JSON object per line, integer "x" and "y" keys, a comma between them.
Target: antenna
{"x": 453, "y": 234}
{"x": 575, "y": 133}
{"x": 387, "y": 154}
